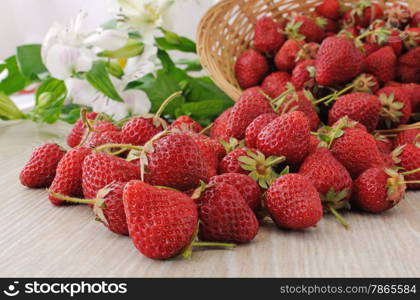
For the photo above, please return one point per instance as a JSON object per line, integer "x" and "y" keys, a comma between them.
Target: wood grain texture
{"x": 38, "y": 239}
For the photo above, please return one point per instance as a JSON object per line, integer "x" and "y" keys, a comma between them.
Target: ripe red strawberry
{"x": 411, "y": 37}
{"x": 329, "y": 9}
{"x": 397, "y": 15}
{"x": 410, "y": 136}
{"x": 236, "y": 224}
{"x": 275, "y": 84}
{"x": 378, "y": 189}
{"x": 39, "y": 171}
{"x": 313, "y": 144}
{"x": 186, "y": 123}
{"x": 256, "y": 126}
{"x": 176, "y": 162}
{"x": 412, "y": 91}
{"x": 100, "y": 169}
{"x": 415, "y": 20}
{"x": 107, "y": 206}
{"x": 247, "y": 187}
{"x": 250, "y": 105}
{"x": 104, "y": 137}
{"x": 218, "y": 131}
{"x": 385, "y": 145}
{"x": 356, "y": 150}
{"x": 410, "y": 160}
{"x": 368, "y": 49}
{"x": 331, "y": 27}
{"x": 267, "y": 35}
{"x": 382, "y": 64}
{"x": 329, "y": 177}
{"x": 78, "y": 131}
{"x": 210, "y": 151}
{"x": 408, "y": 74}
{"x": 299, "y": 101}
{"x": 338, "y": 60}
{"x": 411, "y": 58}
{"x": 68, "y": 178}
{"x": 293, "y": 202}
{"x": 363, "y": 14}
{"x": 288, "y": 136}
{"x": 139, "y": 130}
{"x": 231, "y": 164}
{"x": 396, "y": 106}
{"x": 285, "y": 58}
{"x": 161, "y": 222}
{"x": 360, "y": 107}
{"x": 250, "y": 69}
{"x": 303, "y": 75}
{"x": 305, "y": 28}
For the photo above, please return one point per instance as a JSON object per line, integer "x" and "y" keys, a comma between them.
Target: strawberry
{"x": 68, "y": 178}
{"x": 267, "y": 35}
{"x": 368, "y": 49}
{"x": 360, "y": 107}
{"x": 411, "y": 37}
{"x": 408, "y": 74}
{"x": 78, "y": 131}
{"x": 275, "y": 84}
{"x": 103, "y": 137}
{"x": 378, "y": 189}
{"x": 247, "y": 187}
{"x": 100, "y": 169}
{"x": 231, "y": 164}
{"x": 161, "y": 222}
{"x": 39, "y": 171}
{"x": 108, "y": 206}
{"x": 250, "y": 69}
{"x": 338, "y": 60}
{"x": 365, "y": 83}
{"x": 411, "y": 58}
{"x": 396, "y": 106}
{"x": 410, "y": 136}
{"x": 256, "y": 126}
{"x": 313, "y": 144}
{"x": 250, "y": 105}
{"x": 415, "y": 20}
{"x": 303, "y": 75}
{"x": 355, "y": 149}
{"x": 218, "y": 130}
{"x": 329, "y": 9}
{"x": 382, "y": 64}
{"x": 385, "y": 145}
{"x": 236, "y": 224}
{"x": 298, "y": 101}
{"x": 288, "y": 136}
{"x": 397, "y": 15}
{"x": 363, "y": 14}
{"x": 285, "y": 58}
{"x": 331, "y": 27}
{"x": 293, "y": 202}
{"x": 175, "y": 162}
{"x": 330, "y": 178}
{"x": 305, "y": 28}
{"x": 210, "y": 151}
{"x": 410, "y": 161}
{"x": 186, "y": 123}
{"x": 139, "y": 130}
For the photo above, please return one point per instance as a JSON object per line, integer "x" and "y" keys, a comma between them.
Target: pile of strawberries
{"x": 330, "y": 129}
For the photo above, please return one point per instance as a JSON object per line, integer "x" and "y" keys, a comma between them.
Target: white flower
{"x": 63, "y": 49}
{"x": 139, "y": 66}
{"x": 144, "y": 15}
{"x": 110, "y": 39}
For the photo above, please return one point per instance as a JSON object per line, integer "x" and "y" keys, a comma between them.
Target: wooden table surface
{"x": 39, "y": 240}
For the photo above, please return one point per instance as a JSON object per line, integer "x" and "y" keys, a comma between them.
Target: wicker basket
{"x": 226, "y": 31}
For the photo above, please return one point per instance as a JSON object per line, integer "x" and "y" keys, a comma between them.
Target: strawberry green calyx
{"x": 292, "y": 30}
{"x": 396, "y": 185}
{"x": 187, "y": 252}
{"x": 198, "y": 191}
{"x": 334, "y": 201}
{"x": 391, "y": 109}
{"x": 363, "y": 83}
{"x": 410, "y": 39}
{"x": 321, "y": 22}
{"x": 260, "y": 167}
{"x": 284, "y": 100}
{"x": 307, "y": 51}
{"x": 233, "y": 144}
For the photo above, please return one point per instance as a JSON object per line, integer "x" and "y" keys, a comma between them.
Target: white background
{"x": 27, "y": 21}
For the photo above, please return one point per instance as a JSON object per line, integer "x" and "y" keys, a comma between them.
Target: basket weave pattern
{"x": 226, "y": 31}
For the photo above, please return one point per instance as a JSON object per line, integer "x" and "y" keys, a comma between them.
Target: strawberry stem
{"x": 166, "y": 103}
{"x": 72, "y": 199}
{"x": 409, "y": 182}
{"x": 328, "y": 99}
{"x": 213, "y": 244}
{"x": 410, "y": 172}
{"x": 205, "y": 129}
{"x": 123, "y": 146}
{"x": 339, "y": 217}
{"x": 276, "y": 161}
{"x": 400, "y": 128}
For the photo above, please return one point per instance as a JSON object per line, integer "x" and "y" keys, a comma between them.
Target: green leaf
{"x": 199, "y": 89}
{"x": 169, "y": 67}
{"x": 203, "y": 110}
{"x": 131, "y": 49}
{"x": 172, "y": 41}
{"x": 30, "y": 61}
{"x": 191, "y": 65}
{"x": 50, "y": 97}
{"x": 8, "y": 109}
{"x": 15, "y": 81}
{"x": 98, "y": 77}
{"x": 158, "y": 89}
{"x": 70, "y": 113}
